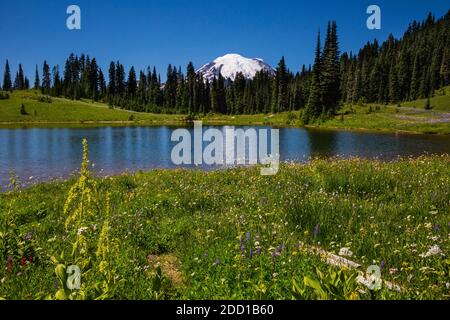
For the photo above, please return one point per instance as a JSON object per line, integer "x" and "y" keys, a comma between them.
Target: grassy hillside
{"x": 234, "y": 234}
{"x": 64, "y": 110}
{"x": 407, "y": 116}
{"x": 440, "y": 101}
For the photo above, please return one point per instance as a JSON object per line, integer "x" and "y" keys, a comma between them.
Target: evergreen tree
{"x": 20, "y": 78}
{"x": 414, "y": 85}
{"x": 132, "y": 83}
{"x": 170, "y": 88}
{"x": 190, "y": 87}
{"x": 16, "y": 82}
{"x": 314, "y": 106}
{"x": 394, "y": 93}
{"x": 23, "y": 111}
{"x": 93, "y": 80}
{"x": 275, "y": 92}
{"x": 282, "y": 94}
{"x": 102, "y": 84}
{"x": 57, "y": 85}
{"x": 238, "y": 91}
{"x": 120, "y": 79}
{"x": 445, "y": 68}
{"x": 221, "y": 95}
{"x": 37, "y": 82}
{"x": 330, "y": 72}
{"x": 214, "y": 100}
{"x": 141, "y": 90}
{"x": 46, "y": 84}
{"x": 404, "y": 74}
{"x": 7, "y": 84}
{"x": 181, "y": 93}
{"x": 111, "y": 83}
{"x": 68, "y": 78}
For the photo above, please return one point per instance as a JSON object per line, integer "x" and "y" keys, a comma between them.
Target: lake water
{"x": 39, "y": 154}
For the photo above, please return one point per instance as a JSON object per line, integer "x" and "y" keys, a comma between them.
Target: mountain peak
{"x": 231, "y": 64}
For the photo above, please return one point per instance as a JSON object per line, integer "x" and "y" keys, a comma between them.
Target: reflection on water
{"x": 322, "y": 143}
{"x": 50, "y": 153}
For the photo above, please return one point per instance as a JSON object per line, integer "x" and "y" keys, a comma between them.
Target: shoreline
{"x": 207, "y": 122}
{"x": 99, "y": 175}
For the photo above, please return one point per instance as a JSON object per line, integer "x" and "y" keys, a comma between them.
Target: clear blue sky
{"x": 159, "y": 32}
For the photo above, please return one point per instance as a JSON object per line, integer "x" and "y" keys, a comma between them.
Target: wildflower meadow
{"x": 313, "y": 231}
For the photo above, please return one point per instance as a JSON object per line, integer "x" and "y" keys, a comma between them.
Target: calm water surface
{"x": 47, "y": 153}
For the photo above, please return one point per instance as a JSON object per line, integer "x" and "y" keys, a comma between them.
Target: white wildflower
{"x": 433, "y": 251}
{"x": 82, "y": 230}
{"x": 371, "y": 281}
{"x": 345, "y": 252}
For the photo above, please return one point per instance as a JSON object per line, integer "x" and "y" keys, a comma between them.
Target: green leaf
{"x": 61, "y": 295}
{"x": 60, "y": 272}
{"x": 312, "y": 283}
{"x": 54, "y": 260}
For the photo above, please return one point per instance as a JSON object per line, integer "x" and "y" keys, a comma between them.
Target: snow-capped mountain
{"x": 230, "y": 64}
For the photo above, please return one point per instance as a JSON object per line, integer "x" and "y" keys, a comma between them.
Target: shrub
{"x": 428, "y": 104}
{"x": 23, "y": 111}
{"x": 291, "y": 116}
{"x": 4, "y": 95}
{"x": 45, "y": 99}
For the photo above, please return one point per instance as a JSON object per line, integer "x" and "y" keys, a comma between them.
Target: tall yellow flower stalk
{"x": 80, "y": 205}
{"x": 104, "y": 248}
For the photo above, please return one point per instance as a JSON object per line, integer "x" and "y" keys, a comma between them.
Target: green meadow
{"x": 233, "y": 234}
{"x": 407, "y": 116}
{"x": 42, "y": 109}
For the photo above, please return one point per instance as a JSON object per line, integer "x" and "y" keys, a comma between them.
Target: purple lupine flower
{"x": 216, "y": 263}
{"x": 247, "y": 236}
{"x": 251, "y": 253}
{"x": 316, "y": 230}
{"x": 382, "y": 265}
{"x": 280, "y": 248}
{"x": 243, "y": 250}
{"x": 436, "y": 228}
